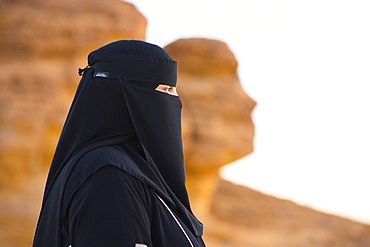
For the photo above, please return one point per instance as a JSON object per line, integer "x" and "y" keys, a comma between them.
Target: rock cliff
{"x": 42, "y": 44}
{"x": 217, "y": 129}
{"x": 217, "y": 124}
{"x": 65, "y": 29}
{"x": 244, "y": 217}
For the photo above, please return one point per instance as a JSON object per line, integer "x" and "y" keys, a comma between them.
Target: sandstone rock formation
{"x": 42, "y": 44}
{"x": 65, "y": 29}
{"x": 244, "y": 217}
{"x": 217, "y": 129}
{"x": 217, "y": 124}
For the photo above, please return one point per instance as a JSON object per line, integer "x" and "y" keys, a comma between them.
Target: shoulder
{"x": 113, "y": 181}
{"x": 112, "y": 177}
{"x": 101, "y": 166}
{"x": 111, "y": 187}
{"x": 110, "y": 208}
{"x": 92, "y": 162}
{"x": 108, "y": 155}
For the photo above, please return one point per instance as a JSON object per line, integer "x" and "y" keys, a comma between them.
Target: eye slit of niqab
{"x": 167, "y": 89}
{"x": 159, "y": 87}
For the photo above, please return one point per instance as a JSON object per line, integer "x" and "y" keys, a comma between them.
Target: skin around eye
{"x": 167, "y": 89}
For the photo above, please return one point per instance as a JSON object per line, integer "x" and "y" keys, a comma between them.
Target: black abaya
{"x": 117, "y": 176}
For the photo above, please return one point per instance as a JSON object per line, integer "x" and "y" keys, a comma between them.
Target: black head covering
{"x": 115, "y": 102}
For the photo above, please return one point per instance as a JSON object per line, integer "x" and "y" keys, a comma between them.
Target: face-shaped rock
{"x": 217, "y": 124}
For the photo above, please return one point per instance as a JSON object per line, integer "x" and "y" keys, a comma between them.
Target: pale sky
{"x": 306, "y": 63}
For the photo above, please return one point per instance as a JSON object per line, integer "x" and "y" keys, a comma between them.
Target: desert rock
{"x": 217, "y": 124}
{"x": 42, "y": 44}
{"x": 218, "y": 129}
{"x": 245, "y": 217}
{"x": 65, "y": 29}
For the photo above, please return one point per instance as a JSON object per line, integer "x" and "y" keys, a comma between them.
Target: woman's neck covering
{"x": 116, "y": 102}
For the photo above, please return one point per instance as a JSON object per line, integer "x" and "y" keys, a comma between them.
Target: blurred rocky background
{"x": 218, "y": 129}
{"x": 44, "y": 42}
{"x": 42, "y": 45}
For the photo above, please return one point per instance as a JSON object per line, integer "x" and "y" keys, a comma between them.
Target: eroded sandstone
{"x": 42, "y": 44}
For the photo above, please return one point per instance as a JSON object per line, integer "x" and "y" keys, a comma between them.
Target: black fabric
{"x": 132, "y": 59}
{"x": 107, "y": 116}
{"x": 110, "y": 188}
{"x": 106, "y": 191}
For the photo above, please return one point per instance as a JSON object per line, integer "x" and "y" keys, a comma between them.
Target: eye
{"x": 172, "y": 91}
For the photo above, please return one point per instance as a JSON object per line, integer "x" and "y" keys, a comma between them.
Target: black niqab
{"x": 116, "y": 103}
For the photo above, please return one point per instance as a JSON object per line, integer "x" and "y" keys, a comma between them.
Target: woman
{"x": 117, "y": 176}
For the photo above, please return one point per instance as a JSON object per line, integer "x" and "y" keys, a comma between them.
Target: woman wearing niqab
{"x": 117, "y": 178}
